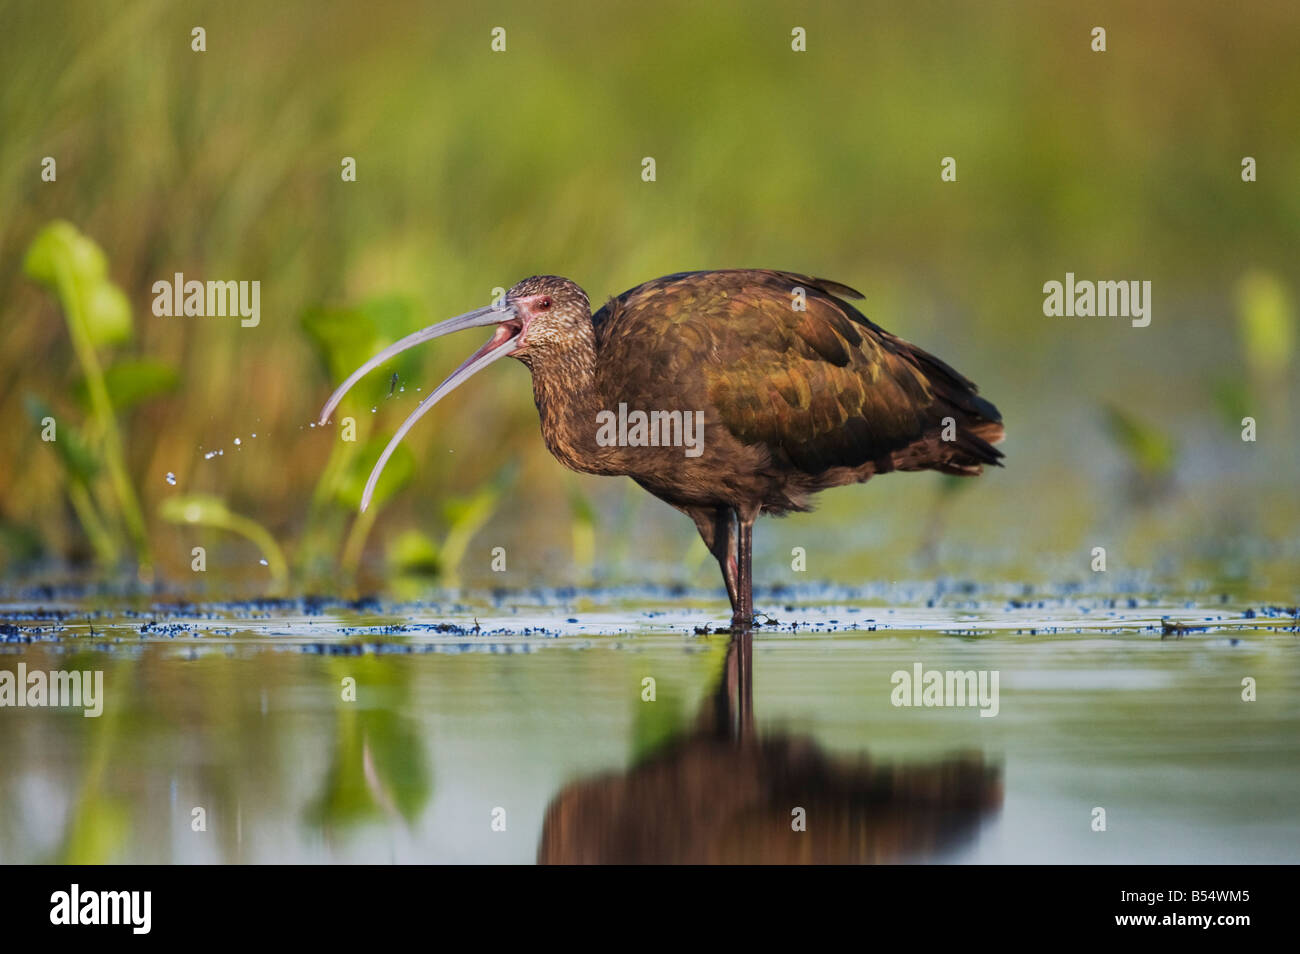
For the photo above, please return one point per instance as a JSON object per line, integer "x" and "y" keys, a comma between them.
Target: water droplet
{"x": 373, "y": 410}
{"x": 238, "y": 442}
{"x": 263, "y": 562}
{"x": 171, "y": 478}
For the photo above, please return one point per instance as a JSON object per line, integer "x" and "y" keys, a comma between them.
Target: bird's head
{"x": 552, "y": 314}
{"x": 540, "y": 316}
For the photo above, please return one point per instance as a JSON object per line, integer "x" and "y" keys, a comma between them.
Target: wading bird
{"x": 721, "y": 793}
{"x": 796, "y": 391}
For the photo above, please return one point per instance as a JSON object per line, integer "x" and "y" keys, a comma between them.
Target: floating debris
{"x": 1170, "y": 628}
{"x": 12, "y": 634}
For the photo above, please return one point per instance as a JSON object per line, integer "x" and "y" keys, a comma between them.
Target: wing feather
{"x": 823, "y": 387}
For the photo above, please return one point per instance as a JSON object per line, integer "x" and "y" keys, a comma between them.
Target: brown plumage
{"x": 796, "y": 389}
{"x": 722, "y": 793}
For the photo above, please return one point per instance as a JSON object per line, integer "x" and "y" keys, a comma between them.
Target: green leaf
{"x": 61, "y": 243}
{"x": 211, "y": 511}
{"x": 70, "y": 446}
{"x": 132, "y": 381}
{"x": 106, "y": 312}
{"x": 346, "y": 337}
{"x": 393, "y": 747}
{"x": 204, "y": 509}
{"x": 97, "y": 313}
{"x": 101, "y": 307}
{"x": 378, "y": 766}
{"x": 656, "y": 724}
{"x": 467, "y": 516}
{"x": 478, "y": 506}
{"x": 1266, "y": 318}
{"x": 338, "y": 334}
{"x": 414, "y": 553}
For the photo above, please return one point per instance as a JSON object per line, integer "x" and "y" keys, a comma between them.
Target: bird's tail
{"x": 957, "y": 403}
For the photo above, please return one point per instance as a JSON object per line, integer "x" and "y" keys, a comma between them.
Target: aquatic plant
{"x": 339, "y": 336}
{"x": 98, "y": 318}
{"x": 206, "y": 510}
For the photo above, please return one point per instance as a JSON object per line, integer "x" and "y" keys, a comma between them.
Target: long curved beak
{"x": 502, "y": 343}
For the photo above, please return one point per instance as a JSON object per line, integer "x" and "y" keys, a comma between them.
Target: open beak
{"x": 503, "y": 342}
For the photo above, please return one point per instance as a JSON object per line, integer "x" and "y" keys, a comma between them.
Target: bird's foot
{"x": 741, "y": 623}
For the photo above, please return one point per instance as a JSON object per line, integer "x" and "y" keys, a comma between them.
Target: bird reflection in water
{"x": 725, "y": 794}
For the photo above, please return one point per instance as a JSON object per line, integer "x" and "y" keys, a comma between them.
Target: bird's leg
{"x": 714, "y": 524}
{"x": 743, "y": 617}
{"x": 733, "y": 701}
{"x": 745, "y": 717}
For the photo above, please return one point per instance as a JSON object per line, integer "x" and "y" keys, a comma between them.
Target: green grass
{"x": 476, "y": 169}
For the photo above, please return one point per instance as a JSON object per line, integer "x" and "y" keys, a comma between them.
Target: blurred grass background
{"x": 475, "y": 169}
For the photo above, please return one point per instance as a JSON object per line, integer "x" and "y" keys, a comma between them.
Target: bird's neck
{"x": 568, "y": 398}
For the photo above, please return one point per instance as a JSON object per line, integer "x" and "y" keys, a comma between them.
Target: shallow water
{"x": 526, "y": 712}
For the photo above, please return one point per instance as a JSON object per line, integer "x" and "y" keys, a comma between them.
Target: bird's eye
{"x": 544, "y": 304}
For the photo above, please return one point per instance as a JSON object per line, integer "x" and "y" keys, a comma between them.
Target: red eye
{"x": 544, "y": 304}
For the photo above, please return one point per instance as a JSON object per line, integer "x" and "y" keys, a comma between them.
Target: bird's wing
{"x": 822, "y": 387}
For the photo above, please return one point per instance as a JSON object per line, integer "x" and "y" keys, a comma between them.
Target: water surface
{"x": 516, "y": 728}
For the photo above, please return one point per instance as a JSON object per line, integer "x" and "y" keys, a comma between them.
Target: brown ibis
{"x": 722, "y": 793}
{"x": 726, "y": 394}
